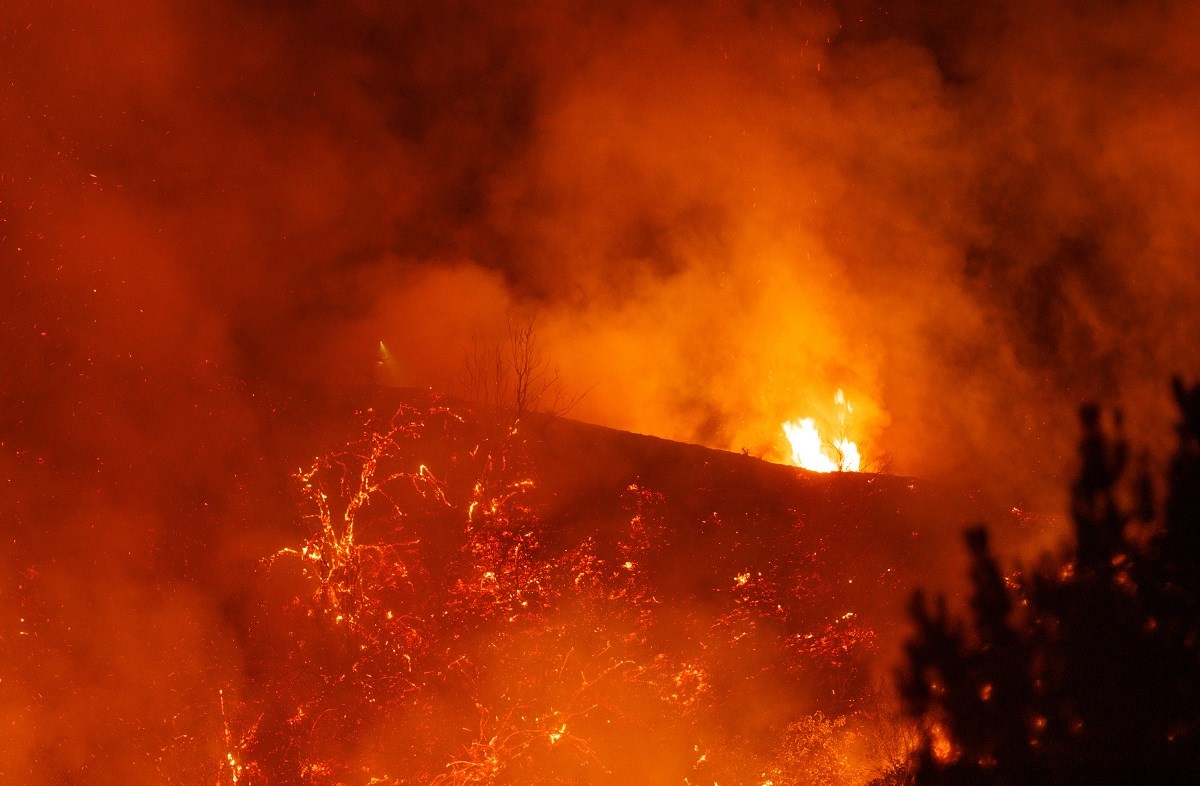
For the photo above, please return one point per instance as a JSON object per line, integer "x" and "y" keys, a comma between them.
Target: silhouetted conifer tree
{"x": 1087, "y": 668}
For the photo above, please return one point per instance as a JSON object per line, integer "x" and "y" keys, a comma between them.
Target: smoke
{"x": 723, "y": 214}
{"x": 969, "y": 219}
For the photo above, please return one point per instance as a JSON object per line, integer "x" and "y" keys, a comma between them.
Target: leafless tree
{"x": 485, "y": 377}
{"x": 516, "y": 377}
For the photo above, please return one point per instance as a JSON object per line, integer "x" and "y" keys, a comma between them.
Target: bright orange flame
{"x": 810, "y": 451}
{"x": 940, "y": 744}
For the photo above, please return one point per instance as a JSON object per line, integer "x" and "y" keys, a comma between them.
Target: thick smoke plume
{"x": 969, "y": 219}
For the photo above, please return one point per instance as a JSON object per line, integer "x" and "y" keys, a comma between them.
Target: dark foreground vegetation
{"x": 1084, "y": 668}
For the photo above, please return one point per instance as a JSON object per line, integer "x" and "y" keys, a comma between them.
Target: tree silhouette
{"x": 1085, "y": 669}
{"x": 514, "y": 377}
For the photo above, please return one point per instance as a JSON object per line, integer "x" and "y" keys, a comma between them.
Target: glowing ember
{"x": 430, "y": 591}
{"x": 941, "y": 744}
{"x": 809, "y": 451}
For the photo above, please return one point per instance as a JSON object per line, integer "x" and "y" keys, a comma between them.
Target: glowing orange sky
{"x": 969, "y": 217}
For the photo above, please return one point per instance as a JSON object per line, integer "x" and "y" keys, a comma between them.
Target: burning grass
{"x": 434, "y": 625}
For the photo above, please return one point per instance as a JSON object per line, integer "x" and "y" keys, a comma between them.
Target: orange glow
{"x": 810, "y": 451}
{"x": 294, "y": 492}
{"x": 941, "y": 745}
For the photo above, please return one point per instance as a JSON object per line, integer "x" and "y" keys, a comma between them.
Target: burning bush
{"x": 432, "y": 626}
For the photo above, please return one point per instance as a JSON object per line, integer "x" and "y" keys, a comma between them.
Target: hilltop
{"x": 482, "y": 591}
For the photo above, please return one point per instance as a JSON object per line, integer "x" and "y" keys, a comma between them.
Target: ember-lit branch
{"x": 233, "y": 770}
{"x": 332, "y": 555}
{"x": 443, "y": 599}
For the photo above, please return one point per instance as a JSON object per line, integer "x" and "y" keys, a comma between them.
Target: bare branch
{"x": 518, "y": 379}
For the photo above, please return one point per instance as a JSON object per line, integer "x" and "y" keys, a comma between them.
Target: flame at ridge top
{"x": 808, "y": 450}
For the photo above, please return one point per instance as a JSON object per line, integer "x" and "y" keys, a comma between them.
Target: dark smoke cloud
{"x": 970, "y": 217}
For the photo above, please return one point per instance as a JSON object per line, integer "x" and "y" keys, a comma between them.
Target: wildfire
{"x": 430, "y": 590}
{"x": 808, "y": 449}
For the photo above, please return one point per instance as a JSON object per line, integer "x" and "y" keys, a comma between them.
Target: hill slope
{"x": 461, "y": 598}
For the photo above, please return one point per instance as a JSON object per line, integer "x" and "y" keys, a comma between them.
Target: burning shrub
{"x": 434, "y": 626}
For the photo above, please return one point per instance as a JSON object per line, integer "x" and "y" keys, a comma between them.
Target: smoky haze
{"x": 969, "y": 219}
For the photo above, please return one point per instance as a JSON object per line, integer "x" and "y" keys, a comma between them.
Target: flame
{"x": 494, "y": 613}
{"x": 809, "y": 451}
{"x": 940, "y": 744}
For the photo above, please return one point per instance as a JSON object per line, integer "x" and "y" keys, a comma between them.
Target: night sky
{"x": 968, "y": 219}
